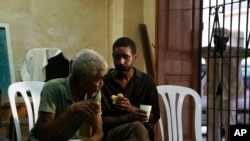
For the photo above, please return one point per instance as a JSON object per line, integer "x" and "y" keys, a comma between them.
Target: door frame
{"x": 9, "y": 49}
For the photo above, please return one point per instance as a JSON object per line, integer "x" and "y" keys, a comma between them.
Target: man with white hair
{"x": 224, "y": 82}
{"x": 67, "y": 103}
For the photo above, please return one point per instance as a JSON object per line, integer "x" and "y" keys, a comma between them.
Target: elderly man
{"x": 224, "y": 82}
{"x": 68, "y": 102}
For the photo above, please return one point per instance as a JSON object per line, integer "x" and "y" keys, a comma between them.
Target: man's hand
{"x": 124, "y": 104}
{"x": 91, "y": 109}
{"x": 136, "y": 114}
{"x": 86, "y": 107}
{"x": 141, "y": 115}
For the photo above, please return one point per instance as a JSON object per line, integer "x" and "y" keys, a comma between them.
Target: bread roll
{"x": 116, "y": 97}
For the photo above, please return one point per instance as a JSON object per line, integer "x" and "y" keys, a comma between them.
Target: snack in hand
{"x": 99, "y": 110}
{"x": 116, "y": 97}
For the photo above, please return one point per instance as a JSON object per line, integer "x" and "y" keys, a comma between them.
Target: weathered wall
{"x": 73, "y": 25}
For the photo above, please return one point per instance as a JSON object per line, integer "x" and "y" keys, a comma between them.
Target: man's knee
{"x": 137, "y": 126}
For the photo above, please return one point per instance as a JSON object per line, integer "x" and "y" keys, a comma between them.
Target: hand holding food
{"x": 116, "y": 97}
{"x": 99, "y": 110}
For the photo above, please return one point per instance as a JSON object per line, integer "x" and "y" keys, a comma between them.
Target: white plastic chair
{"x": 25, "y": 87}
{"x": 169, "y": 94}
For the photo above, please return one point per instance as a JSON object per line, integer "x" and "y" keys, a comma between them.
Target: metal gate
{"x": 225, "y": 53}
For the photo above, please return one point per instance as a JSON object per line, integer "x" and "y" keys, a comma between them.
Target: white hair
{"x": 88, "y": 63}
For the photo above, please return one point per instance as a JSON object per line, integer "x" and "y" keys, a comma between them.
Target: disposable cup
{"x": 147, "y": 108}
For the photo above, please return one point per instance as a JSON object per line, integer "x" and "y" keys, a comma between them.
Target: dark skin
{"x": 49, "y": 126}
{"x": 124, "y": 58}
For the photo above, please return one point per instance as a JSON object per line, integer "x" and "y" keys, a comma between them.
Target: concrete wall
{"x": 74, "y": 25}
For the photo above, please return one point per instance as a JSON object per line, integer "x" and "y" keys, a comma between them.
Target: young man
{"x": 224, "y": 82}
{"x": 68, "y": 102}
{"x": 124, "y": 120}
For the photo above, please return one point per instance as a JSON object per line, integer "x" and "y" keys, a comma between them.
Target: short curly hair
{"x": 88, "y": 63}
{"x": 125, "y": 42}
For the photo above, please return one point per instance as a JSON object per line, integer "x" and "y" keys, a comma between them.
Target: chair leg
{"x": 15, "y": 137}
{"x": 11, "y": 128}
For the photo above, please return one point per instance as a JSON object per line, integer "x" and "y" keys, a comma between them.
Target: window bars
{"x": 226, "y": 51}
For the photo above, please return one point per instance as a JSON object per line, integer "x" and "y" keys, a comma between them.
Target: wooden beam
{"x": 146, "y": 47}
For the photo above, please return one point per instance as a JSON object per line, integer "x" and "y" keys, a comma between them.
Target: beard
{"x": 122, "y": 68}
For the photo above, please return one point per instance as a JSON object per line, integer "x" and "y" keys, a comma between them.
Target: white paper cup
{"x": 147, "y": 108}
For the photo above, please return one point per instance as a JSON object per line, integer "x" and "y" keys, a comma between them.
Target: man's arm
{"x": 248, "y": 52}
{"x": 240, "y": 52}
{"x": 49, "y": 126}
{"x": 132, "y": 114}
{"x": 97, "y": 128}
{"x": 112, "y": 121}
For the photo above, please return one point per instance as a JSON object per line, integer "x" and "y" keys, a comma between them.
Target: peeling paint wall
{"x": 70, "y": 25}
